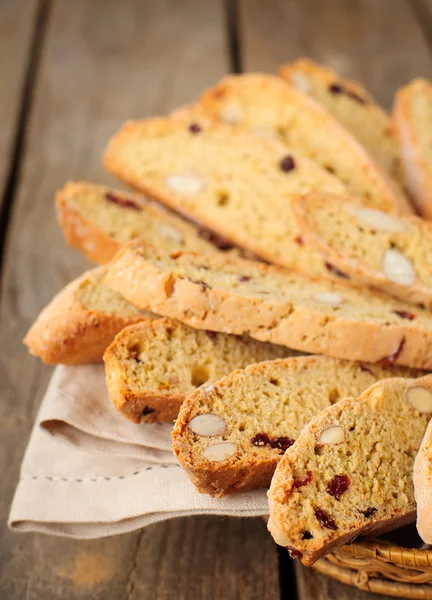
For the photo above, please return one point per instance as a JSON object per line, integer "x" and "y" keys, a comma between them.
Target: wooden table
{"x": 71, "y": 71}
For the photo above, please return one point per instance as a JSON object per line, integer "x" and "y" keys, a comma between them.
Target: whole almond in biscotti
{"x": 259, "y": 412}
{"x": 238, "y": 296}
{"x": 269, "y": 102}
{"x": 152, "y": 366}
{"x": 232, "y": 182}
{"x": 363, "y": 485}
{"x": 375, "y": 249}
{"x": 412, "y": 116}
{"x": 99, "y": 220}
{"x": 352, "y": 105}
{"x": 81, "y": 321}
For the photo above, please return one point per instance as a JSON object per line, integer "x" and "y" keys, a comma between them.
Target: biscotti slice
{"x": 373, "y": 248}
{"x": 268, "y": 104}
{"x": 234, "y": 183}
{"x": 152, "y": 366}
{"x": 275, "y": 305}
{"x": 350, "y": 470}
{"x": 423, "y": 483}
{"x": 99, "y": 220}
{"x": 81, "y": 321}
{"x": 352, "y": 105}
{"x": 230, "y": 436}
{"x": 412, "y": 116}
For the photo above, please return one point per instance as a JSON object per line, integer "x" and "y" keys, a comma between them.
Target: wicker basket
{"x": 383, "y": 566}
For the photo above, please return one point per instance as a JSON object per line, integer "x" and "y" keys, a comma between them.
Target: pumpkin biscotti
{"x": 230, "y": 436}
{"x": 81, "y": 321}
{"x": 268, "y": 104}
{"x": 230, "y": 181}
{"x": 412, "y": 116}
{"x": 99, "y": 220}
{"x": 350, "y": 470}
{"x": 423, "y": 484}
{"x": 352, "y": 105}
{"x": 376, "y": 249}
{"x": 221, "y": 293}
{"x": 152, "y": 366}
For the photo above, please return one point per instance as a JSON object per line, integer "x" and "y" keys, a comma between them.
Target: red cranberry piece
{"x": 338, "y": 485}
{"x": 211, "y": 334}
{"x": 244, "y": 278}
{"x": 194, "y": 128}
{"x": 305, "y": 481}
{"x": 123, "y": 202}
{"x": 287, "y": 164}
{"x": 324, "y": 519}
{"x": 332, "y": 269}
{"x": 299, "y": 240}
{"x": 296, "y": 554}
{"x": 260, "y": 440}
{"x": 368, "y": 513}
{"x": 392, "y": 358}
{"x": 147, "y": 410}
{"x": 335, "y": 88}
{"x": 306, "y": 535}
{"x": 404, "y": 314}
{"x": 282, "y": 443}
{"x": 216, "y": 240}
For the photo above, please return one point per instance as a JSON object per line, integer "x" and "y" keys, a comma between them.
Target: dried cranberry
{"x": 368, "y": 513}
{"x": 211, "y": 334}
{"x": 306, "y": 535}
{"x": 194, "y": 128}
{"x": 282, "y": 443}
{"x": 147, "y": 410}
{"x": 244, "y": 278}
{"x": 338, "y": 485}
{"x": 305, "y": 481}
{"x": 324, "y": 519}
{"x": 261, "y": 439}
{"x": 123, "y": 202}
{"x": 216, "y": 240}
{"x": 299, "y": 240}
{"x": 336, "y": 88}
{"x": 404, "y": 314}
{"x": 287, "y": 164}
{"x": 205, "y": 286}
{"x": 392, "y": 358}
{"x": 332, "y": 269}
{"x": 296, "y": 554}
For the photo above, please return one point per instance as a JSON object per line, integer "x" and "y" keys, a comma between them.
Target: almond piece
{"x": 187, "y": 183}
{"x": 379, "y": 220}
{"x": 332, "y": 298}
{"x": 169, "y": 233}
{"x": 398, "y": 267}
{"x": 332, "y": 435}
{"x": 208, "y": 424}
{"x": 219, "y": 452}
{"x": 420, "y": 398}
{"x": 300, "y": 82}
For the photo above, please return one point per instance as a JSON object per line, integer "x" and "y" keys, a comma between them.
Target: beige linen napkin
{"x": 88, "y": 472}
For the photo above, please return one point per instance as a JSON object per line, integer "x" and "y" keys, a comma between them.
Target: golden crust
{"x": 423, "y": 486}
{"x": 66, "y": 332}
{"x": 292, "y": 324}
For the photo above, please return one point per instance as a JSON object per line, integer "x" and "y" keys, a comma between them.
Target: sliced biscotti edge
{"x": 417, "y": 167}
{"x": 230, "y": 436}
{"x": 152, "y": 366}
{"x": 373, "y": 248}
{"x": 268, "y": 102}
{"x": 350, "y": 471}
{"x": 352, "y": 105}
{"x": 68, "y": 331}
{"x": 122, "y": 216}
{"x": 423, "y": 486}
{"x": 270, "y": 304}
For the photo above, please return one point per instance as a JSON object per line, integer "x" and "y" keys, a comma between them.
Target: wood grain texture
{"x": 104, "y": 61}
{"x": 378, "y": 42}
{"x": 17, "y": 20}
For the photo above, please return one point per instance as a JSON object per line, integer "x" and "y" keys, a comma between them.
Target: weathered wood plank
{"x": 17, "y": 20}
{"x": 379, "y": 43}
{"x": 105, "y": 61}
